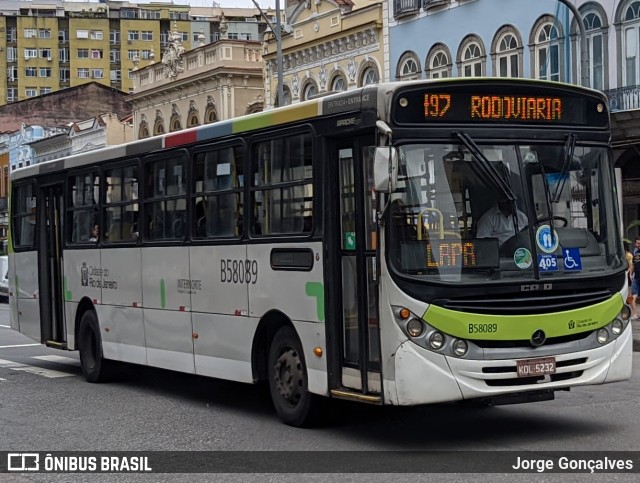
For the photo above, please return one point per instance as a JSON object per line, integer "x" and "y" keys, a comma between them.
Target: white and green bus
{"x": 335, "y": 248}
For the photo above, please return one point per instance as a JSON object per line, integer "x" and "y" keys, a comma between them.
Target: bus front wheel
{"x": 288, "y": 380}
{"x": 94, "y": 367}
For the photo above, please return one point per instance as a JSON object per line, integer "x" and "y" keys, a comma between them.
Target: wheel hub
{"x": 288, "y": 376}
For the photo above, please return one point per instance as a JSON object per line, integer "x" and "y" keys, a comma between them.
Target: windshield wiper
{"x": 489, "y": 170}
{"x": 569, "y": 148}
{"x": 501, "y": 181}
{"x": 547, "y": 199}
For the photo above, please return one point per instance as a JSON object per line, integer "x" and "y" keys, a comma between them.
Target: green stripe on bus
{"x": 68, "y": 295}
{"x": 316, "y": 289}
{"x": 257, "y": 122}
{"x": 163, "y": 294}
{"x": 271, "y": 118}
{"x": 521, "y": 327}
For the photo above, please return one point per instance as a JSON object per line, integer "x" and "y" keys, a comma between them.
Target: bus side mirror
{"x": 385, "y": 169}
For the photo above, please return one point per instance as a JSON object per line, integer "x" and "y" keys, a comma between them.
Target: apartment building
{"x": 54, "y": 44}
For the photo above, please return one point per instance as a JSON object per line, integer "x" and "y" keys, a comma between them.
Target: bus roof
{"x": 363, "y": 98}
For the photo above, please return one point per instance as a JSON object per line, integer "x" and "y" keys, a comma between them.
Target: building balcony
{"x": 427, "y": 4}
{"x": 624, "y": 98}
{"x": 405, "y": 7}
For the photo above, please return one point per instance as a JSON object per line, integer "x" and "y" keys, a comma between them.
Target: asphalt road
{"x": 45, "y": 405}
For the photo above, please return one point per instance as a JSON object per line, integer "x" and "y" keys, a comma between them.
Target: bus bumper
{"x": 427, "y": 377}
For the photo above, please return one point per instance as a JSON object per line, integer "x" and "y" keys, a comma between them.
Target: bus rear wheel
{"x": 94, "y": 367}
{"x": 288, "y": 380}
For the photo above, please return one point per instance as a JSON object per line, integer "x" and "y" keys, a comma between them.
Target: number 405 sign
{"x": 548, "y": 262}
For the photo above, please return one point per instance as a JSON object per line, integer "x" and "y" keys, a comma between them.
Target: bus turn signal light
{"x": 318, "y": 351}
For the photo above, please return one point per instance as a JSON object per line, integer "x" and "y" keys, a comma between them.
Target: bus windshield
{"x": 469, "y": 212}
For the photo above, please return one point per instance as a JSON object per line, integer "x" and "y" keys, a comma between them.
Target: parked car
{"x": 4, "y": 280}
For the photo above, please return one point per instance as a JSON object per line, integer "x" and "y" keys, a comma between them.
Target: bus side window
{"x": 24, "y": 215}
{"x": 218, "y": 192}
{"x": 282, "y": 191}
{"x": 83, "y": 208}
{"x": 165, "y": 198}
{"x": 120, "y": 212}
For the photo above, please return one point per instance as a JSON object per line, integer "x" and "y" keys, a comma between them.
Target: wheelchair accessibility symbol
{"x": 547, "y": 242}
{"x": 572, "y": 260}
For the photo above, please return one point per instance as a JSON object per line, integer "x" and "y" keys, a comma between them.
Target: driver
{"x": 497, "y": 222}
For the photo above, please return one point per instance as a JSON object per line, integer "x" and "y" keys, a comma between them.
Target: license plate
{"x": 536, "y": 367}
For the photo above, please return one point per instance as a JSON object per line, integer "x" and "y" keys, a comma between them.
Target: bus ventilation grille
{"x": 524, "y": 303}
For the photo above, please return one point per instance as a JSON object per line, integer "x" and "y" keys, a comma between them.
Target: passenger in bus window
{"x": 497, "y": 222}
{"x": 95, "y": 233}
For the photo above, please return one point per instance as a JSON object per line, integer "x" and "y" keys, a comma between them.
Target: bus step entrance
{"x": 56, "y": 345}
{"x": 356, "y": 396}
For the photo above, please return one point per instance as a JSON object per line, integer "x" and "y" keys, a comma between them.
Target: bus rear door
{"x": 50, "y": 216}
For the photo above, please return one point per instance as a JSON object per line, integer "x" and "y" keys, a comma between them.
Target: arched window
{"x": 338, "y": 83}
{"x": 287, "y": 96}
{"x": 193, "y": 120}
{"x": 630, "y": 49}
{"x": 408, "y": 67}
{"x": 193, "y": 115}
{"x": 176, "y": 125}
{"x": 438, "y": 64}
{"x": 593, "y": 26}
{"x": 309, "y": 90}
{"x": 369, "y": 76}
{"x": 471, "y": 57}
{"x": 158, "y": 128}
{"x": 547, "y": 52}
{"x": 143, "y": 131}
{"x": 507, "y": 56}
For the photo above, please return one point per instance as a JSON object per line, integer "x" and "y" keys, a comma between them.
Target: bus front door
{"x": 50, "y": 213}
{"x": 357, "y": 312}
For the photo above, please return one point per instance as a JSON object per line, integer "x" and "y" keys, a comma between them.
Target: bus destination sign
{"x": 479, "y": 253}
{"x": 509, "y": 104}
{"x": 496, "y": 107}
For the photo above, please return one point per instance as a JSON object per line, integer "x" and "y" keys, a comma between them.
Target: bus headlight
{"x": 415, "y": 327}
{"x": 436, "y": 340}
{"x": 460, "y": 347}
{"x": 616, "y": 327}
{"x": 603, "y": 336}
{"x": 625, "y": 313}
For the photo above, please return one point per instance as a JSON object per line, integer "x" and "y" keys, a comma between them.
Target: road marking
{"x": 5, "y": 326}
{"x": 40, "y": 371}
{"x": 60, "y": 359}
{"x": 17, "y": 345}
{"x": 3, "y": 380}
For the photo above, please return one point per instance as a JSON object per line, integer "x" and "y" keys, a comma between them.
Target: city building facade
{"x": 82, "y": 136}
{"x": 538, "y": 39}
{"x": 212, "y": 82}
{"x": 327, "y": 46}
{"x": 55, "y": 44}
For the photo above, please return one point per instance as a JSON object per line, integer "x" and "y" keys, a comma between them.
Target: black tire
{"x": 94, "y": 367}
{"x": 295, "y": 405}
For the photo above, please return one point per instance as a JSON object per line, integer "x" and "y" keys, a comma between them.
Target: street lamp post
{"x": 277, "y": 30}
{"x": 279, "y": 56}
{"x": 584, "y": 51}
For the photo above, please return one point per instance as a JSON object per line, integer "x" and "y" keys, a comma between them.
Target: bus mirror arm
{"x": 384, "y": 128}
{"x": 386, "y": 162}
